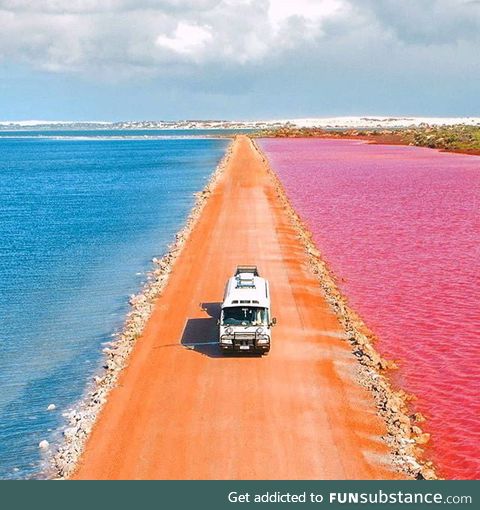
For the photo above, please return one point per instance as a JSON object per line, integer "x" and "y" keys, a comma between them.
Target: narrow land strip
{"x": 183, "y": 411}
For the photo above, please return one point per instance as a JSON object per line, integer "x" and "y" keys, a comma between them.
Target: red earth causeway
{"x": 186, "y": 412}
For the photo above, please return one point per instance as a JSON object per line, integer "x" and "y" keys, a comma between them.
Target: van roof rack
{"x": 245, "y": 282}
{"x": 247, "y": 269}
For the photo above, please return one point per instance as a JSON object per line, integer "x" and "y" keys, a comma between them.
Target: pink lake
{"x": 400, "y": 227}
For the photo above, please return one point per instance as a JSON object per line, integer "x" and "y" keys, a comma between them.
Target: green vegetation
{"x": 291, "y": 131}
{"x": 451, "y": 138}
{"x": 461, "y": 138}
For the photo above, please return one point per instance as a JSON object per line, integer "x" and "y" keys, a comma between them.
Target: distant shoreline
{"x": 456, "y": 135}
{"x": 455, "y": 139}
{"x": 370, "y": 122}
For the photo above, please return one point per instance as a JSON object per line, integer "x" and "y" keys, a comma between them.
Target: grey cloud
{"x": 99, "y": 6}
{"x": 94, "y": 36}
{"x": 125, "y": 39}
{"x": 428, "y": 21}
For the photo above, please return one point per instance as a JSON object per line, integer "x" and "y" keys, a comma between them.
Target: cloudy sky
{"x": 245, "y": 59}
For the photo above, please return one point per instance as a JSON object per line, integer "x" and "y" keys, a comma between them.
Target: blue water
{"x": 79, "y": 134}
{"x": 79, "y": 224}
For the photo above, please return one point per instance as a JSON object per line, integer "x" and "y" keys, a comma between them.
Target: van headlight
{"x": 226, "y": 339}
{"x": 229, "y": 330}
{"x": 264, "y": 339}
{"x": 259, "y": 330}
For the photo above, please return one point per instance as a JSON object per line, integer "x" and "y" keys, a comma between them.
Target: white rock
{"x": 51, "y": 407}
{"x": 70, "y": 432}
{"x": 43, "y": 444}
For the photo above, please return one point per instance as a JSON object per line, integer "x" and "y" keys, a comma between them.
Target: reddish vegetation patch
{"x": 400, "y": 227}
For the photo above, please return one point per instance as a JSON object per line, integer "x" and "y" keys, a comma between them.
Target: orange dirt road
{"x": 184, "y": 411}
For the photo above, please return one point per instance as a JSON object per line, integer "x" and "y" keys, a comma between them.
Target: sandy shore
{"x": 180, "y": 410}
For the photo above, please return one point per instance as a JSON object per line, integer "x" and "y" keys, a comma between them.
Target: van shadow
{"x": 201, "y": 335}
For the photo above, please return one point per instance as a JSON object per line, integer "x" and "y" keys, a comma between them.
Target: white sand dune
{"x": 364, "y": 122}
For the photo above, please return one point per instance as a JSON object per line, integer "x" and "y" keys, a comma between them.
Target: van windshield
{"x": 245, "y": 315}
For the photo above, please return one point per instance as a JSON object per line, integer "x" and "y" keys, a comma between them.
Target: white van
{"x": 245, "y": 320}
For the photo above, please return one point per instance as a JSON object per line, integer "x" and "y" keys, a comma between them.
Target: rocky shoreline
{"x": 81, "y": 419}
{"x": 405, "y": 436}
